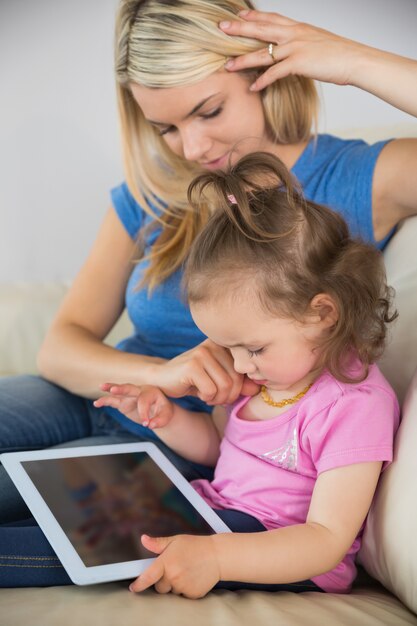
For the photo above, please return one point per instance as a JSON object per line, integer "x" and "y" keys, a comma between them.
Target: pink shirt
{"x": 268, "y": 468}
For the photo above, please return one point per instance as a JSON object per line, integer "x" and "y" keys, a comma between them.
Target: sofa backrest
{"x": 389, "y": 548}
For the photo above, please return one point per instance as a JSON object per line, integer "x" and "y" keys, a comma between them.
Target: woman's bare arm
{"x": 73, "y": 354}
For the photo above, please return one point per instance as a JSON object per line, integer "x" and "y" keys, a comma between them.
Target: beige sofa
{"x": 389, "y": 552}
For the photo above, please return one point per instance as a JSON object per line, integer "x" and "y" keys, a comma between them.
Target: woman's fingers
{"x": 272, "y": 74}
{"x": 212, "y": 382}
{"x": 264, "y": 31}
{"x": 259, "y": 58}
{"x": 249, "y": 388}
{"x": 273, "y": 29}
{"x": 278, "y": 68}
{"x": 205, "y": 371}
{"x": 224, "y": 382}
{"x": 264, "y": 16}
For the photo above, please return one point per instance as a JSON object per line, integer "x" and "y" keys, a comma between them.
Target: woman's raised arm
{"x": 299, "y": 48}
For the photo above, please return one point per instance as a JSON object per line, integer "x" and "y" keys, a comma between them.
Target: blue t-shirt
{"x": 339, "y": 173}
{"x": 331, "y": 171}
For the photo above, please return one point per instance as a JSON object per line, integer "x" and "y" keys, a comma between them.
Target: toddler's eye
{"x": 255, "y": 352}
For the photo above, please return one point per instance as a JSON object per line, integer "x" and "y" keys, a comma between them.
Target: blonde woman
{"x": 182, "y": 111}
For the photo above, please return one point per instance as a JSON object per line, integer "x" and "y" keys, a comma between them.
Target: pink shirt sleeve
{"x": 358, "y": 427}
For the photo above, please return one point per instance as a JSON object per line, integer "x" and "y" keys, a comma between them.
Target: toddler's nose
{"x": 243, "y": 365}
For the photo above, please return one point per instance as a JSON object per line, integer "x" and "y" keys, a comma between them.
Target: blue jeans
{"x": 36, "y": 414}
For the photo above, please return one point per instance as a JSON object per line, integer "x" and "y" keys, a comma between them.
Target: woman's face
{"x": 206, "y": 121}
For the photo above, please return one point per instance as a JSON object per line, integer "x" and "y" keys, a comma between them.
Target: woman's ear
{"x": 324, "y": 308}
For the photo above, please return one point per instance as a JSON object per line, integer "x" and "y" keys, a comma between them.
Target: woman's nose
{"x": 195, "y": 145}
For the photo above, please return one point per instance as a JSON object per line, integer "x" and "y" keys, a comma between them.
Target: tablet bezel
{"x": 77, "y": 571}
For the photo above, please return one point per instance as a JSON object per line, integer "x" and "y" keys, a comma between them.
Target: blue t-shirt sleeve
{"x": 339, "y": 173}
{"x": 130, "y": 213}
{"x": 354, "y": 171}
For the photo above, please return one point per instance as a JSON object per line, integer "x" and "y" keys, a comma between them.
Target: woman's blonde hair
{"x": 169, "y": 43}
{"x": 283, "y": 250}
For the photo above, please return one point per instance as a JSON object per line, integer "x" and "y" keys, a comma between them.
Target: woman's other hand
{"x": 297, "y": 48}
{"x": 207, "y": 372}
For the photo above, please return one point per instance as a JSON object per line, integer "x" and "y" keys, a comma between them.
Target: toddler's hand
{"x": 186, "y": 565}
{"x": 145, "y": 405}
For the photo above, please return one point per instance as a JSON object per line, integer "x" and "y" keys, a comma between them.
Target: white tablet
{"x": 94, "y": 503}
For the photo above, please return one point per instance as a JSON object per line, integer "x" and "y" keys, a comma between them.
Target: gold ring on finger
{"x": 271, "y": 51}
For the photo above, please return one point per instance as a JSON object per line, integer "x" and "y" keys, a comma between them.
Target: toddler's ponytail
{"x": 243, "y": 194}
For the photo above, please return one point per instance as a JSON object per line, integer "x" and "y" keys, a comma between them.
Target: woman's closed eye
{"x": 164, "y": 131}
{"x": 214, "y": 113}
{"x": 204, "y": 116}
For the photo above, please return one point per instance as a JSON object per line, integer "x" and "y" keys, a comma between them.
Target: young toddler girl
{"x": 303, "y": 309}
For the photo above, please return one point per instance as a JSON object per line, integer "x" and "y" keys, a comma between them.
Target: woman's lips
{"x": 217, "y": 163}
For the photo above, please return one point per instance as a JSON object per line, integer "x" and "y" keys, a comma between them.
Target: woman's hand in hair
{"x": 306, "y": 50}
{"x": 297, "y": 48}
{"x": 207, "y": 372}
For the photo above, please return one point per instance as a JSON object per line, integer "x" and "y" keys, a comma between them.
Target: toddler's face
{"x": 273, "y": 351}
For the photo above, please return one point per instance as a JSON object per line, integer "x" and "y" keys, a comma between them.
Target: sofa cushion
{"x": 389, "y": 545}
{"x": 400, "y": 358}
{"x": 112, "y": 604}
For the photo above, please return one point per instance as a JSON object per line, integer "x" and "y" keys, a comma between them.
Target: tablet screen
{"x": 104, "y": 504}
